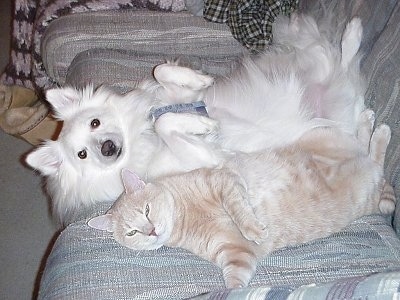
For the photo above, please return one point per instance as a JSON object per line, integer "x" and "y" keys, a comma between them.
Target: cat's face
{"x": 143, "y": 220}
{"x": 143, "y": 216}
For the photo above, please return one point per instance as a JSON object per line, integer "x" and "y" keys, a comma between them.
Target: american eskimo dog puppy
{"x": 270, "y": 101}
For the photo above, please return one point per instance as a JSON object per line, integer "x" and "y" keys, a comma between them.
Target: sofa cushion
{"x": 152, "y": 32}
{"x": 89, "y": 264}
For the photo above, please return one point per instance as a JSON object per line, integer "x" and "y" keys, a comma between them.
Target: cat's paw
{"x": 255, "y": 231}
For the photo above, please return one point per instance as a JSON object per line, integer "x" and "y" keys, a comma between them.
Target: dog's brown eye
{"x": 82, "y": 154}
{"x": 95, "y": 123}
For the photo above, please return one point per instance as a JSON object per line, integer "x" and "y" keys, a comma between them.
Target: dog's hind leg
{"x": 351, "y": 41}
{"x": 364, "y": 128}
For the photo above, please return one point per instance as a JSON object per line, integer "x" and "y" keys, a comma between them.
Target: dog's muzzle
{"x": 108, "y": 148}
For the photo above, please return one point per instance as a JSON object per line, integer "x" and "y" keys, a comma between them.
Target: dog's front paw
{"x": 186, "y": 123}
{"x": 209, "y": 125}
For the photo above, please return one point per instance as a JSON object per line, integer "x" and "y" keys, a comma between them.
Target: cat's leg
{"x": 234, "y": 201}
{"x": 351, "y": 41}
{"x": 387, "y": 201}
{"x": 379, "y": 141}
{"x": 183, "y": 134}
{"x": 238, "y": 264}
{"x": 364, "y": 133}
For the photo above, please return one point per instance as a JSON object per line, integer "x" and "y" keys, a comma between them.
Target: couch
{"x": 121, "y": 47}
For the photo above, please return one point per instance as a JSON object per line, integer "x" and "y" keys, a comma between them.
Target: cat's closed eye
{"x": 131, "y": 233}
{"x": 147, "y": 210}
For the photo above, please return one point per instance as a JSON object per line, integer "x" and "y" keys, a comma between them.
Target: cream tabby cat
{"x": 256, "y": 203}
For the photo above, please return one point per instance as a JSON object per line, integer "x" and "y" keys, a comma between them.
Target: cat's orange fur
{"x": 236, "y": 215}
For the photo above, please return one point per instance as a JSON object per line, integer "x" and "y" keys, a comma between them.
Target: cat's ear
{"x": 131, "y": 181}
{"x": 102, "y": 222}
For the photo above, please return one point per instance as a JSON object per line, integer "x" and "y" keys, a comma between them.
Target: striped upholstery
{"x": 88, "y": 264}
{"x": 159, "y": 34}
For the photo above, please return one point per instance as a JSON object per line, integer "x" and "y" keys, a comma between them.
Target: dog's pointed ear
{"x": 102, "y": 222}
{"x": 62, "y": 100}
{"x": 132, "y": 182}
{"x": 46, "y": 158}
{"x": 65, "y": 100}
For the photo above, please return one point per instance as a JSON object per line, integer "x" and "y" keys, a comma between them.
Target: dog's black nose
{"x": 108, "y": 148}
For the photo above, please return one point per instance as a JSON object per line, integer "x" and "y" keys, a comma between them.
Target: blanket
{"x": 250, "y": 21}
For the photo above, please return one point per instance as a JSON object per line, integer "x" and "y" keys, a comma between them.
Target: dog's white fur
{"x": 272, "y": 100}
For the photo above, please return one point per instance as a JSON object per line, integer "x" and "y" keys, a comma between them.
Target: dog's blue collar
{"x": 198, "y": 107}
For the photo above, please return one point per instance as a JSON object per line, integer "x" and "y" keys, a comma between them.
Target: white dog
{"x": 270, "y": 101}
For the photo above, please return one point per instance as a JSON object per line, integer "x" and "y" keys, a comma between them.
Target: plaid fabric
{"x": 250, "y": 21}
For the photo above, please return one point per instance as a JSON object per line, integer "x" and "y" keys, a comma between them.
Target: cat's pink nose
{"x": 153, "y": 232}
